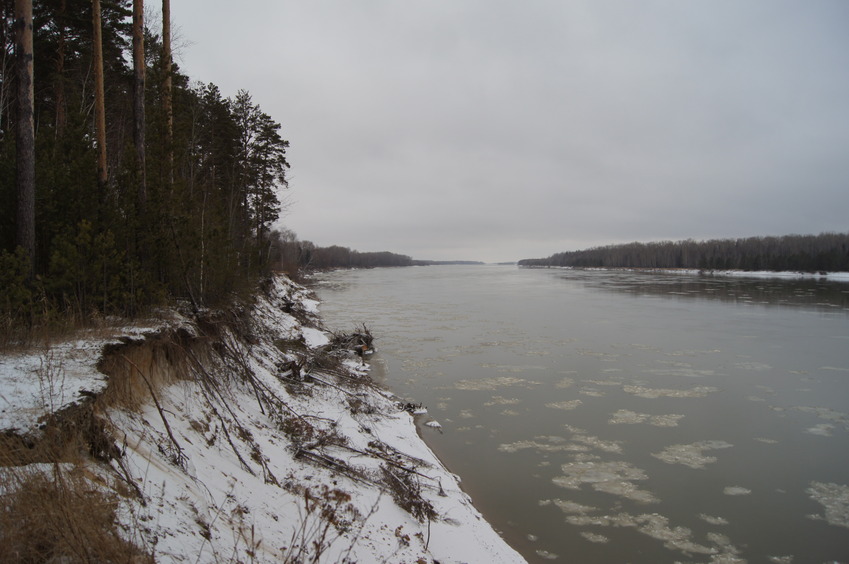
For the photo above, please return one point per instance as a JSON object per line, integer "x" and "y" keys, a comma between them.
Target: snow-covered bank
{"x": 262, "y": 443}
{"x": 788, "y": 274}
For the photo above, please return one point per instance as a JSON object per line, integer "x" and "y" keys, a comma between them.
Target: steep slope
{"x": 255, "y": 436}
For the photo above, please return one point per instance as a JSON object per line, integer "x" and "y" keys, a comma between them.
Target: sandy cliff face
{"x": 255, "y": 436}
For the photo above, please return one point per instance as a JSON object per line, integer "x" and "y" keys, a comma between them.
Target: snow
{"x": 44, "y": 379}
{"x": 786, "y": 274}
{"x": 224, "y": 480}
{"x": 315, "y": 338}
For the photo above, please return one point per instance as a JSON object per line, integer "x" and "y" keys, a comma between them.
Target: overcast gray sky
{"x": 497, "y": 130}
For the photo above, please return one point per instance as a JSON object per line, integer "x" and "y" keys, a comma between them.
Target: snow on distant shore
{"x": 788, "y": 274}
{"x": 276, "y": 465}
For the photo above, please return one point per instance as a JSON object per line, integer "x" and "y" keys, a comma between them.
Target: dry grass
{"x": 54, "y": 510}
{"x": 57, "y": 513}
{"x": 134, "y": 367}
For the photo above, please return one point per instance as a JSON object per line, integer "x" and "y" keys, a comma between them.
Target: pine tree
{"x": 25, "y": 131}
{"x": 99, "y": 95}
{"x": 138, "y": 98}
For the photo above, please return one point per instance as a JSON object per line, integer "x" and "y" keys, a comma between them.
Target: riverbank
{"x": 782, "y": 274}
{"x": 248, "y": 435}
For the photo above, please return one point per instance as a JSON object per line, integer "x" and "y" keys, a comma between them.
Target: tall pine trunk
{"x": 25, "y": 131}
{"x": 60, "y": 70}
{"x": 138, "y": 98}
{"x": 99, "y": 96}
{"x": 167, "y": 103}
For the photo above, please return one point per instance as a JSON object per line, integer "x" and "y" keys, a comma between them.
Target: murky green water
{"x": 625, "y": 417}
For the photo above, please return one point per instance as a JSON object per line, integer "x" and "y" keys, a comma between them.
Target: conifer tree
{"x": 99, "y": 94}
{"x": 138, "y": 98}
{"x": 25, "y": 131}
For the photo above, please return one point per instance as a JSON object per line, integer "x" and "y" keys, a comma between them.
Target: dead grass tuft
{"x": 135, "y": 366}
{"x": 51, "y": 514}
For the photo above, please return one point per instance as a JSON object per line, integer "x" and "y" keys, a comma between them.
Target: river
{"x": 612, "y": 416}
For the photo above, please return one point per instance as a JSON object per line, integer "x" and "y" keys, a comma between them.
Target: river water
{"x": 610, "y": 416}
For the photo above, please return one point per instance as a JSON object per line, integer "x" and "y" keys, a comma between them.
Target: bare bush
{"x": 407, "y": 492}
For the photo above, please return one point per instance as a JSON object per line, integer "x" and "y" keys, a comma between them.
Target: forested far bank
{"x": 142, "y": 185}
{"x": 288, "y": 254}
{"x": 803, "y": 253}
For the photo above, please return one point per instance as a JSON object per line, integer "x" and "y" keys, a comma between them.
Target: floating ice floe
{"x": 565, "y": 405}
{"x": 434, "y": 424}
{"x": 823, "y": 429}
{"x": 835, "y": 499}
{"x": 736, "y": 490}
{"x": 613, "y": 477}
{"x": 597, "y": 443}
{"x": 611, "y": 383}
{"x": 657, "y": 527}
{"x": 827, "y": 414}
{"x": 713, "y": 520}
{"x": 484, "y": 384}
{"x": 569, "y": 507}
{"x": 691, "y": 455}
{"x": 627, "y": 417}
{"x": 756, "y": 366}
{"x": 780, "y": 559}
{"x": 595, "y": 537}
{"x": 654, "y": 393}
{"x": 565, "y": 383}
{"x": 500, "y": 400}
{"x": 541, "y": 447}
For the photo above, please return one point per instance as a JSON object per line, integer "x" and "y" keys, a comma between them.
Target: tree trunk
{"x": 138, "y": 98}
{"x": 25, "y": 131}
{"x": 167, "y": 104}
{"x": 60, "y": 70}
{"x": 99, "y": 96}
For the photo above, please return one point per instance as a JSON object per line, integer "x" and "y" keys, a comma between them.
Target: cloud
{"x": 494, "y": 130}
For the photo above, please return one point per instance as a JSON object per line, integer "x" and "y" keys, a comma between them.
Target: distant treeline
{"x": 292, "y": 256}
{"x": 803, "y": 253}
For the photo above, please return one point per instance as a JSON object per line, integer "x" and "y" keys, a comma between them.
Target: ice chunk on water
{"x": 565, "y": 405}
{"x": 736, "y": 490}
{"x": 654, "y": 393}
{"x": 691, "y": 455}
{"x": 835, "y": 499}
{"x": 713, "y": 520}
{"x": 595, "y": 537}
{"x": 613, "y": 477}
{"x": 627, "y": 417}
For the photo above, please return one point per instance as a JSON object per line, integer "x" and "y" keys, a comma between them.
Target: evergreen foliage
{"x": 803, "y": 253}
{"x": 204, "y": 229}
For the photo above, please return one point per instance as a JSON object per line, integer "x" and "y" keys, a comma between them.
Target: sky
{"x": 497, "y": 130}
